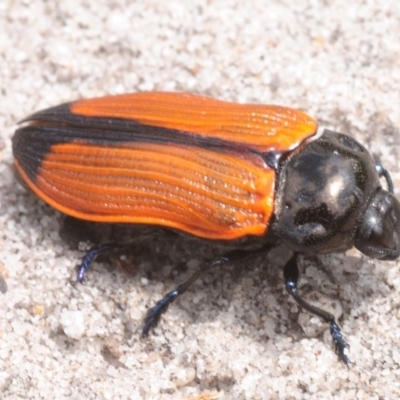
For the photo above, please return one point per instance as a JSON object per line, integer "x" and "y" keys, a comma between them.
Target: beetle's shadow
{"x": 147, "y": 252}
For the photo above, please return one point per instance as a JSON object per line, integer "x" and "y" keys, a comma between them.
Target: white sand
{"x": 236, "y": 335}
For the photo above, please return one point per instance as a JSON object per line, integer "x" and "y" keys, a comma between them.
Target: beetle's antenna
{"x": 382, "y": 172}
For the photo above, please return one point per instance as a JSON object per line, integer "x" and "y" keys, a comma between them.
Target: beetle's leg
{"x": 291, "y": 274}
{"x": 91, "y": 255}
{"x": 89, "y": 258}
{"x": 153, "y": 315}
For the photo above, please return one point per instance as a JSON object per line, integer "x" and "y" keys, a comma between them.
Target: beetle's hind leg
{"x": 291, "y": 274}
{"x": 94, "y": 252}
{"x": 153, "y": 315}
{"x": 90, "y": 257}
{"x": 135, "y": 238}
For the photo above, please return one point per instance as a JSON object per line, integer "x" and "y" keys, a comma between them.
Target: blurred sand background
{"x": 234, "y": 333}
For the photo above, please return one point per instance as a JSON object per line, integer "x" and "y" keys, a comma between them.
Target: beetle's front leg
{"x": 291, "y": 274}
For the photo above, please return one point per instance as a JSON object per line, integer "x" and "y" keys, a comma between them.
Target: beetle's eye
{"x": 379, "y": 232}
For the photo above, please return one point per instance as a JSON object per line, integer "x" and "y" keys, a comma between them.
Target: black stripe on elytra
{"x": 57, "y": 125}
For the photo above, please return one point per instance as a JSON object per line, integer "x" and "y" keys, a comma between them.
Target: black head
{"x": 330, "y": 198}
{"x": 379, "y": 232}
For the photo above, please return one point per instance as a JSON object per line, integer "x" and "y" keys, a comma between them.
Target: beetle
{"x": 215, "y": 170}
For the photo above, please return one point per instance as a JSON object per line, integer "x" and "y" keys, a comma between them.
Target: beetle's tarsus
{"x": 291, "y": 273}
{"x": 89, "y": 258}
{"x": 154, "y": 313}
{"x": 339, "y": 343}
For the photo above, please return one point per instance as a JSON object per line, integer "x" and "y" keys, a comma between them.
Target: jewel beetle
{"x": 215, "y": 170}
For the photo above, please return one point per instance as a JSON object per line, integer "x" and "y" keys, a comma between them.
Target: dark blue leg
{"x": 89, "y": 258}
{"x": 291, "y": 274}
{"x": 154, "y": 313}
